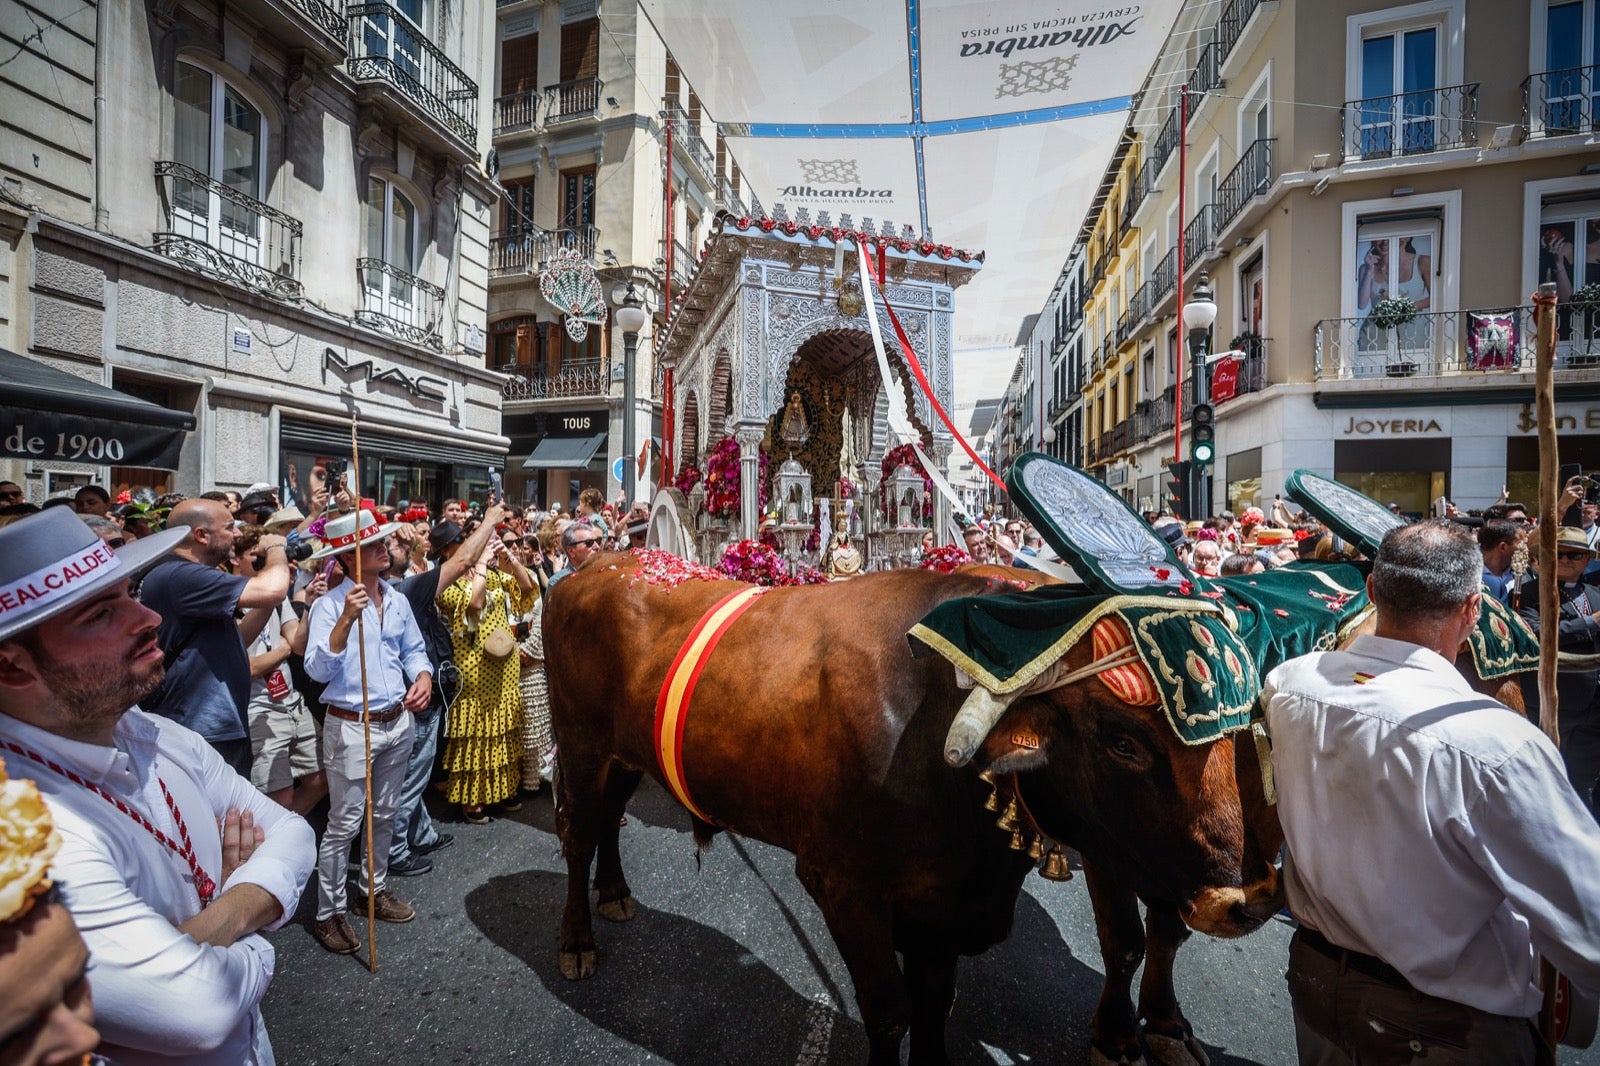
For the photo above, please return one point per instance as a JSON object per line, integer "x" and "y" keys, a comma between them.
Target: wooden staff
{"x": 1544, "y": 304}
{"x": 366, "y": 710}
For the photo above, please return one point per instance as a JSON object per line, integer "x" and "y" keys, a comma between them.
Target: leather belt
{"x": 376, "y": 716}
{"x": 1370, "y": 965}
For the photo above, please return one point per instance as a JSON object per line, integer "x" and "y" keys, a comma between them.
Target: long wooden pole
{"x": 366, "y": 710}
{"x": 1544, "y": 310}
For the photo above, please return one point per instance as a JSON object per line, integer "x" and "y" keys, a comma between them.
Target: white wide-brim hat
{"x": 350, "y": 531}
{"x": 52, "y": 560}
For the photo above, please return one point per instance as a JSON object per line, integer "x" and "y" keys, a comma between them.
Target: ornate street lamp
{"x": 631, "y": 317}
{"x": 1198, "y": 315}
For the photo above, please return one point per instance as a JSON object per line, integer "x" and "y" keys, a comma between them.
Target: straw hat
{"x": 351, "y": 530}
{"x": 288, "y": 517}
{"x": 1571, "y": 538}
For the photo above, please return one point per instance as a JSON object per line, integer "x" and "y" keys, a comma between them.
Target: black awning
{"x": 564, "y": 453}
{"x": 47, "y": 413}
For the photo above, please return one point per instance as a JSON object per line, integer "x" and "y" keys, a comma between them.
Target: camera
{"x": 299, "y": 551}
{"x": 334, "y": 471}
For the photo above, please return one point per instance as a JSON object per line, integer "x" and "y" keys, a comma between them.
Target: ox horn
{"x": 977, "y": 716}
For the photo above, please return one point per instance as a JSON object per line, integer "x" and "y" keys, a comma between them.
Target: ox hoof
{"x": 577, "y": 965}
{"x": 615, "y": 910}
{"x": 1171, "y": 1051}
{"x": 1100, "y": 1058}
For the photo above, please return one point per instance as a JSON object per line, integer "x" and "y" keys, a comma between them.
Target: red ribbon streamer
{"x": 927, "y": 390}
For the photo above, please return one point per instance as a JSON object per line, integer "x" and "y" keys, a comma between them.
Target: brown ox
{"x": 814, "y": 728}
{"x": 1125, "y": 941}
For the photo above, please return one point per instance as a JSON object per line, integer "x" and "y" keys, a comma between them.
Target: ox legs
{"x": 932, "y": 981}
{"x": 595, "y": 796}
{"x": 1116, "y": 915}
{"x": 1167, "y": 1035}
{"x": 860, "y": 924}
{"x": 616, "y": 898}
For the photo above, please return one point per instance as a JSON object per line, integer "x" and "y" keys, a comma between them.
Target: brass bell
{"x": 993, "y": 802}
{"x": 987, "y": 777}
{"x": 1036, "y": 850}
{"x": 1008, "y": 819}
{"x": 1056, "y": 867}
{"x": 1016, "y": 840}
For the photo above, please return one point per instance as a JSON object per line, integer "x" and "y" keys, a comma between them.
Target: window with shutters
{"x": 580, "y": 50}
{"x": 516, "y": 210}
{"x": 577, "y": 198}
{"x": 519, "y": 65}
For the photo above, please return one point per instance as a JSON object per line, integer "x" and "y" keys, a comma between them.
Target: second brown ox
{"x": 814, "y": 728}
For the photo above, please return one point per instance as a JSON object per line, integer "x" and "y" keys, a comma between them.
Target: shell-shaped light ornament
{"x": 568, "y": 282}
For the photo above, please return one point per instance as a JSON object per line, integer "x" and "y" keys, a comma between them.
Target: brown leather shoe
{"x": 336, "y": 935}
{"x": 388, "y": 909}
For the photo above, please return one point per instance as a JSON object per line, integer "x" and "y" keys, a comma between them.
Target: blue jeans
{"x": 413, "y": 827}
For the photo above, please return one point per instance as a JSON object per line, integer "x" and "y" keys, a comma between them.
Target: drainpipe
{"x": 102, "y": 217}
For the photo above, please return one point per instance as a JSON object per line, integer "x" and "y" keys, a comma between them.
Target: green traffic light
{"x": 1204, "y": 451}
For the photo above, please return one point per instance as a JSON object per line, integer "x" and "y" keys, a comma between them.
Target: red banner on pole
{"x": 1225, "y": 379}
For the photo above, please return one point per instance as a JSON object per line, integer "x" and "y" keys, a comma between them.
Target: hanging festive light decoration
{"x": 568, "y": 282}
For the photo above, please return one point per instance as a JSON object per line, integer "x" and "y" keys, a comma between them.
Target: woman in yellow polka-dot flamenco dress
{"x": 483, "y": 728}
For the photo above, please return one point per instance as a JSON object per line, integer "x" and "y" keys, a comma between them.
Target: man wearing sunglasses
{"x": 580, "y": 541}
{"x": 1580, "y": 632}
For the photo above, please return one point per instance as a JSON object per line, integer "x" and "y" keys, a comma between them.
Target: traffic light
{"x": 1179, "y": 487}
{"x": 1203, "y": 435}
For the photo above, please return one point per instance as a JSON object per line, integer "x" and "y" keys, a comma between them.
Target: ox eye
{"x": 1128, "y": 750}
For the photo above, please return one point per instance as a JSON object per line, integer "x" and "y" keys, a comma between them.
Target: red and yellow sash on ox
{"x": 672, "y": 706}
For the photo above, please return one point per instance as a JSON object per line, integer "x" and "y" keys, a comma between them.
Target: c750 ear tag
{"x": 1025, "y": 740}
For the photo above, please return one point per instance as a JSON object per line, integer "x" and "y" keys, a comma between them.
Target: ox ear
{"x": 1020, "y": 740}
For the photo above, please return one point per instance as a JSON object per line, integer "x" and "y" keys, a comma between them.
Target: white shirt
{"x": 396, "y": 655}
{"x": 1430, "y": 826}
{"x": 160, "y": 996}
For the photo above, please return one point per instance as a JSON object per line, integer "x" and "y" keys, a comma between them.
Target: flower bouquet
{"x": 723, "y": 477}
{"x": 945, "y": 558}
{"x": 751, "y": 561}
{"x": 687, "y": 478}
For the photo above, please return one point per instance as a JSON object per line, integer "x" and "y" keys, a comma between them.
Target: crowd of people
{"x": 187, "y": 680}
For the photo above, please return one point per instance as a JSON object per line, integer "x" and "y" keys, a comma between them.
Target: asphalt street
{"x": 726, "y": 961}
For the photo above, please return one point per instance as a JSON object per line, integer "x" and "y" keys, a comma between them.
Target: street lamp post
{"x": 631, "y": 317}
{"x": 1198, "y": 315}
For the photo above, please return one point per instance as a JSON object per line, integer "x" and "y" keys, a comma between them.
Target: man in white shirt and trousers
{"x": 397, "y": 685}
{"x": 1434, "y": 845}
{"x": 171, "y": 863}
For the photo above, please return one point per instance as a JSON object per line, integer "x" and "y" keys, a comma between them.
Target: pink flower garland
{"x": 758, "y": 564}
{"x": 723, "y": 479}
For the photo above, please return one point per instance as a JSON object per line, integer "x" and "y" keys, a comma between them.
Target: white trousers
{"x": 344, "y": 760}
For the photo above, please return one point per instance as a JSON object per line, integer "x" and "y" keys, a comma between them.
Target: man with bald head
{"x": 207, "y": 686}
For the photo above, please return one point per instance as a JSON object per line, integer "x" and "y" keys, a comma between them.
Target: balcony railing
{"x": 1199, "y": 236}
{"x": 1452, "y": 344}
{"x": 527, "y": 252}
{"x": 1252, "y": 371}
{"x": 1139, "y": 305}
{"x": 516, "y": 112}
{"x": 687, "y": 136}
{"x": 326, "y": 18}
{"x": 227, "y": 234}
{"x": 1428, "y": 120}
{"x": 1166, "y": 140}
{"x": 1164, "y": 278}
{"x": 729, "y": 200}
{"x": 568, "y": 100}
{"x": 387, "y": 46}
{"x": 399, "y": 303}
{"x": 1250, "y": 176}
{"x": 1556, "y": 103}
{"x": 1122, "y": 436}
{"x": 1231, "y": 24}
{"x": 1207, "y": 75}
{"x": 1108, "y": 351}
{"x": 538, "y": 382}
{"x": 1125, "y": 325}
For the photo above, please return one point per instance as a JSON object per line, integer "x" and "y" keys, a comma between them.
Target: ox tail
{"x": 704, "y": 833}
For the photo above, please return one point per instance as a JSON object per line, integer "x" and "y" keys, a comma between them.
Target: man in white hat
{"x": 398, "y": 683}
{"x": 171, "y": 863}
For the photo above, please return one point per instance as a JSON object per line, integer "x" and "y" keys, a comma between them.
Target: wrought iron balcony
{"x": 1108, "y": 351}
{"x": 527, "y": 252}
{"x": 1458, "y": 344}
{"x": 312, "y": 24}
{"x": 1199, "y": 236}
{"x": 1252, "y": 370}
{"x": 1250, "y": 176}
{"x": 1207, "y": 75}
{"x": 729, "y": 200}
{"x": 1557, "y": 103}
{"x": 517, "y": 112}
{"x": 1166, "y": 140}
{"x": 227, "y": 234}
{"x": 400, "y": 304}
{"x": 1428, "y": 120}
{"x": 1125, "y": 326}
{"x": 1138, "y": 188}
{"x": 567, "y": 101}
{"x": 1164, "y": 278}
{"x": 686, "y": 135}
{"x": 1236, "y": 15}
{"x": 539, "y": 382}
{"x": 387, "y": 47}
{"x": 1139, "y": 305}
{"x": 1122, "y": 436}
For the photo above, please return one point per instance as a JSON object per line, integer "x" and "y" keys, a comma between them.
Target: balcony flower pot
{"x": 1392, "y": 312}
{"x": 1400, "y": 370}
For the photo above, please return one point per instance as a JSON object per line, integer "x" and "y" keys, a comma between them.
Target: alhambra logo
{"x": 830, "y": 171}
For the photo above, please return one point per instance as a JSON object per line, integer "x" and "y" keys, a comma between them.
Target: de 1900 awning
{"x": 48, "y": 414}
{"x": 564, "y": 453}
